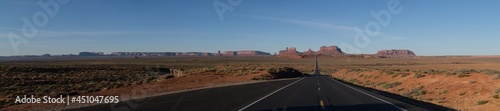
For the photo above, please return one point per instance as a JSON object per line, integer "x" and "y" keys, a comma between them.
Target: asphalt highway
{"x": 322, "y": 93}
{"x": 309, "y": 93}
{"x": 229, "y": 98}
{"x": 318, "y": 93}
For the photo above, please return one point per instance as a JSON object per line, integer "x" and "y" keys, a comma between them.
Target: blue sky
{"x": 428, "y": 27}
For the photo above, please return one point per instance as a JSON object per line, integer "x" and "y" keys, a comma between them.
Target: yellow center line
{"x": 321, "y": 104}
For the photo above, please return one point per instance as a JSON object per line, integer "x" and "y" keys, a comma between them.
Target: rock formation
{"x": 337, "y": 52}
{"x": 323, "y": 51}
{"x": 251, "y": 53}
{"x": 290, "y": 53}
{"x": 219, "y": 53}
{"x": 395, "y": 53}
{"x": 91, "y": 54}
{"x": 309, "y": 52}
{"x": 330, "y": 50}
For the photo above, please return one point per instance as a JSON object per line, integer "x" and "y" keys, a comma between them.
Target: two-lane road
{"x": 310, "y": 93}
{"x": 317, "y": 92}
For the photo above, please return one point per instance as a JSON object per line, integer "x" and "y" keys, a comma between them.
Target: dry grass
{"x": 482, "y": 102}
{"x": 389, "y": 74}
{"x": 455, "y": 82}
{"x": 81, "y": 76}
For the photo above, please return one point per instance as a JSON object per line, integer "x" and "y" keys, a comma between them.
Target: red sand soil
{"x": 151, "y": 89}
{"x": 451, "y": 91}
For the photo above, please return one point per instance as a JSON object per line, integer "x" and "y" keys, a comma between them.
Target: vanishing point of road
{"x": 309, "y": 93}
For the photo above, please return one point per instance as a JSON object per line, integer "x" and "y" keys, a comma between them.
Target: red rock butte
{"x": 335, "y": 51}
{"x": 395, "y": 53}
{"x": 324, "y": 50}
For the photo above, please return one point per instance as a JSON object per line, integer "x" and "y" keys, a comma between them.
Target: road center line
{"x": 321, "y": 104}
{"x": 370, "y": 95}
{"x": 268, "y": 95}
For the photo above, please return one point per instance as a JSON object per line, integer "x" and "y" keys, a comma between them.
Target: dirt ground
{"x": 462, "y": 93}
{"x": 151, "y": 89}
{"x": 84, "y": 76}
{"x": 467, "y": 83}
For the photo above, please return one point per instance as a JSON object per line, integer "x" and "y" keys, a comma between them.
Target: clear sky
{"x": 427, "y": 27}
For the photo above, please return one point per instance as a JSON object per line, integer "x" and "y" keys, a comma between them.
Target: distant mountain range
{"x": 142, "y": 54}
{"x": 290, "y": 52}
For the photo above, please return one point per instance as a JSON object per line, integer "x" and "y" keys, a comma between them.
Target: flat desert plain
{"x": 459, "y": 82}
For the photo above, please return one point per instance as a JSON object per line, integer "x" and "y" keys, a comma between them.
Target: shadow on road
{"x": 359, "y": 107}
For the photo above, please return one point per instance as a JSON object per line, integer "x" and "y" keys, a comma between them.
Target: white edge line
{"x": 172, "y": 92}
{"x": 370, "y": 95}
{"x": 268, "y": 95}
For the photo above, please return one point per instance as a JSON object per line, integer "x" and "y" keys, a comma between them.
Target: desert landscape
{"x": 466, "y": 83}
{"x": 153, "y": 76}
{"x": 244, "y": 55}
